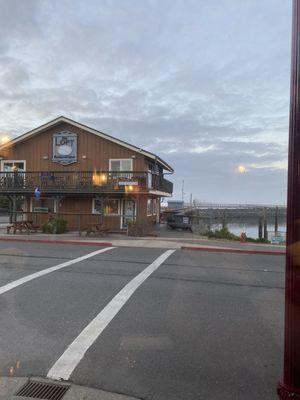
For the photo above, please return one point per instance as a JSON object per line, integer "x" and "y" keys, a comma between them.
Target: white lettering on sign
{"x": 126, "y": 183}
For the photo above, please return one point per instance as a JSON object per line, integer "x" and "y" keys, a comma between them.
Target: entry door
{"x": 128, "y": 212}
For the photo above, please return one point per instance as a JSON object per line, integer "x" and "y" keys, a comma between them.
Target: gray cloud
{"x": 203, "y": 84}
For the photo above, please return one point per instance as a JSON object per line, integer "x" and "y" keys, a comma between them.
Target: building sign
{"x": 41, "y": 209}
{"x": 128, "y": 183}
{"x": 65, "y": 147}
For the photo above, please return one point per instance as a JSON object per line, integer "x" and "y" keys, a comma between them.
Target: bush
{"x": 258, "y": 240}
{"x": 139, "y": 228}
{"x": 224, "y": 233}
{"x": 55, "y": 226}
{"x": 4, "y": 203}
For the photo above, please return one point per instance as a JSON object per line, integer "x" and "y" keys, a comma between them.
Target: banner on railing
{"x": 128, "y": 183}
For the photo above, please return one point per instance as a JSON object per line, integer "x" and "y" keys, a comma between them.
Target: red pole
{"x": 290, "y": 387}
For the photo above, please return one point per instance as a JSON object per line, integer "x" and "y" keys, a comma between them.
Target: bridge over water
{"x": 219, "y": 210}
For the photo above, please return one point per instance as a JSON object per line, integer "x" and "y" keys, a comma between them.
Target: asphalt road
{"x": 202, "y": 326}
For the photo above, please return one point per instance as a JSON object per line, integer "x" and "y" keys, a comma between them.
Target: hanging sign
{"x": 64, "y": 147}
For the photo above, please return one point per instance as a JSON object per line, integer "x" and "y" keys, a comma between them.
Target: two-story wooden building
{"x": 79, "y": 170}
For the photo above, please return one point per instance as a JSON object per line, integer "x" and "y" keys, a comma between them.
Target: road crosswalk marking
{"x": 69, "y": 360}
{"x": 27, "y": 278}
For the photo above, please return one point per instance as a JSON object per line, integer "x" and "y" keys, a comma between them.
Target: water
{"x": 250, "y": 228}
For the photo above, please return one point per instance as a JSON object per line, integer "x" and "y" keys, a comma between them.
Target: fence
{"x": 75, "y": 221}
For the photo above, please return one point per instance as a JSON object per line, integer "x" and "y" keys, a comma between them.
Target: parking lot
{"x": 146, "y": 322}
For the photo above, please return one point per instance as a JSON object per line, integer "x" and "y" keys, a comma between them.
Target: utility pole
{"x": 182, "y": 191}
{"x": 289, "y": 388}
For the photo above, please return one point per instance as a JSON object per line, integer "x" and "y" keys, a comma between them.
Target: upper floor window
{"x": 122, "y": 164}
{"x": 12, "y": 165}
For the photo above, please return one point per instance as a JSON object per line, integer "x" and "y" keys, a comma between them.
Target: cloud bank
{"x": 203, "y": 84}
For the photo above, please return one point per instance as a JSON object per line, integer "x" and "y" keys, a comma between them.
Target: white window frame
{"x": 55, "y": 206}
{"x": 151, "y": 209}
{"x": 12, "y": 161}
{"x": 154, "y": 206}
{"x": 122, "y": 201}
{"x": 97, "y": 213}
{"x": 120, "y": 159}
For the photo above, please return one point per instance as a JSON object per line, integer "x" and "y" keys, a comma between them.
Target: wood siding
{"x": 97, "y": 150}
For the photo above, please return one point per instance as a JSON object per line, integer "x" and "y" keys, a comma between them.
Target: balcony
{"x": 85, "y": 182}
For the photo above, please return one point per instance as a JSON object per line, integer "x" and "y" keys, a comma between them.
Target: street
{"x": 199, "y": 326}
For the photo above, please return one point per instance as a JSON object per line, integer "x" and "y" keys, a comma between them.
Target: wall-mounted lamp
{"x": 84, "y": 157}
{"x": 45, "y": 157}
{"x": 133, "y": 156}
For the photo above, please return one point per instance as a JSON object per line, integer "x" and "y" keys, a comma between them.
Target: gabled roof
{"x": 60, "y": 119}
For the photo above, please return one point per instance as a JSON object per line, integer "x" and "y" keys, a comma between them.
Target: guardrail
{"x": 75, "y": 221}
{"x": 83, "y": 182}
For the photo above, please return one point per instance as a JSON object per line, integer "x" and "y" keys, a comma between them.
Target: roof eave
{"x": 57, "y": 120}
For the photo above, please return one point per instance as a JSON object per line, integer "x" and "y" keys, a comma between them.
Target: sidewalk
{"x": 199, "y": 243}
{"x": 10, "y": 385}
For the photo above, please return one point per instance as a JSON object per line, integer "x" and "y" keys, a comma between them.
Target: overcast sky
{"x": 202, "y": 83}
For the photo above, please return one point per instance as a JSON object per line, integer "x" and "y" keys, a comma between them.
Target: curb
{"x": 78, "y": 242}
{"x": 228, "y": 250}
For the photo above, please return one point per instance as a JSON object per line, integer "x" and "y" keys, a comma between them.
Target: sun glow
{"x": 4, "y": 139}
{"x": 241, "y": 169}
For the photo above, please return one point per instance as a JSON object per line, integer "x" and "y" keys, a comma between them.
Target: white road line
{"x": 46, "y": 271}
{"x": 69, "y": 360}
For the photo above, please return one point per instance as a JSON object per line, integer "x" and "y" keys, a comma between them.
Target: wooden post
{"x": 79, "y": 224}
{"x": 265, "y": 223}
{"x": 10, "y": 209}
{"x": 14, "y": 208}
{"x": 289, "y": 388}
{"x": 260, "y": 228}
{"x": 276, "y": 221}
{"x": 224, "y": 220}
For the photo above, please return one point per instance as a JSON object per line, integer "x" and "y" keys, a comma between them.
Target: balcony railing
{"x": 83, "y": 182}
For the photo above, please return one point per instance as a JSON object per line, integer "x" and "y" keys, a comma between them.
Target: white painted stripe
{"x": 28, "y": 278}
{"x": 66, "y": 364}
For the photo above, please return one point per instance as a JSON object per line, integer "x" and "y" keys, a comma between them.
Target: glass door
{"x": 128, "y": 212}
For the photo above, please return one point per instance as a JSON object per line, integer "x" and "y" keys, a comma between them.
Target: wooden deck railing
{"x": 83, "y": 182}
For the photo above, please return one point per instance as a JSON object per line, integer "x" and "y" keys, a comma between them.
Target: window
{"x": 122, "y": 164}
{"x": 12, "y": 165}
{"x": 154, "y": 206}
{"x": 111, "y": 206}
{"x": 149, "y": 207}
{"x": 43, "y": 205}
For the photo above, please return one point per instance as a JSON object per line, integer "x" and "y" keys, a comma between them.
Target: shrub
{"x": 258, "y": 240}
{"x": 139, "y": 228}
{"x": 4, "y": 202}
{"x": 55, "y": 226}
{"x": 223, "y": 233}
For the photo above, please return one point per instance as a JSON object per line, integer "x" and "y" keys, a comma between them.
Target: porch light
{"x": 103, "y": 178}
{"x": 129, "y": 188}
{"x": 99, "y": 179}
